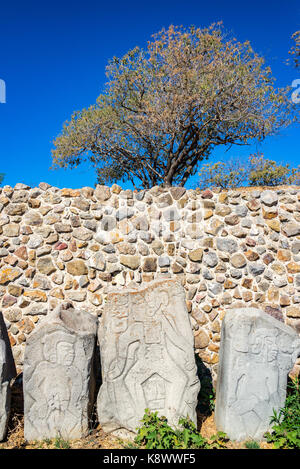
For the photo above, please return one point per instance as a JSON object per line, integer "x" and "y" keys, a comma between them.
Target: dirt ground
{"x": 97, "y": 438}
{"x": 208, "y": 429}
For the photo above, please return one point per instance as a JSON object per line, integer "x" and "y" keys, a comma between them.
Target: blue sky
{"x": 53, "y": 57}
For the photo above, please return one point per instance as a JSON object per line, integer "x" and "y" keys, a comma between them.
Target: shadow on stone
{"x": 16, "y": 416}
{"x": 94, "y": 422}
{"x": 17, "y": 400}
{"x": 9, "y": 371}
{"x": 7, "y": 374}
{"x": 206, "y": 396}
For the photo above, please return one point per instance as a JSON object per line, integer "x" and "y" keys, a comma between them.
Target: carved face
{"x": 119, "y": 322}
{"x": 118, "y": 313}
{"x": 265, "y": 345}
{"x": 241, "y": 333}
{"x": 271, "y": 349}
{"x": 154, "y": 301}
{"x": 59, "y": 348}
{"x": 65, "y": 353}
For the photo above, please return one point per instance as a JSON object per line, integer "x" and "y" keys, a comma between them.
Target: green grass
{"x": 251, "y": 444}
{"x": 60, "y": 443}
{"x": 285, "y": 432}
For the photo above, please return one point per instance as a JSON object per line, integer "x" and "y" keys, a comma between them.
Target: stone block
{"x": 58, "y": 377}
{"x": 7, "y": 373}
{"x": 147, "y": 357}
{"x": 257, "y": 353}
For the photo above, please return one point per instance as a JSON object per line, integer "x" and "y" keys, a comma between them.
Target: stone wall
{"x": 230, "y": 248}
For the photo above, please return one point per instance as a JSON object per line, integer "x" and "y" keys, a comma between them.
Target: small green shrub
{"x": 60, "y": 443}
{"x": 252, "y": 444}
{"x": 286, "y": 429}
{"x": 218, "y": 441}
{"x": 128, "y": 444}
{"x": 156, "y": 433}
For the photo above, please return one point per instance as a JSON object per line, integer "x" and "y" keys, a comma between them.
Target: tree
{"x": 255, "y": 171}
{"x": 165, "y": 109}
{"x": 223, "y": 174}
{"x": 295, "y": 51}
{"x": 2, "y": 175}
{"x": 264, "y": 172}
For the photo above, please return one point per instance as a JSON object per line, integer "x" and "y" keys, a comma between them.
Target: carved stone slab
{"x": 257, "y": 353}
{"x": 58, "y": 376}
{"x": 147, "y": 357}
{"x": 7, "y": 373}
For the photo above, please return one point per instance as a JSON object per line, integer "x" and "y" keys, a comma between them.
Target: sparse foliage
{"x": 60, "y": 443}
{"x": 223, "y": 174}
{"x": 295, "y": 51}
{"x": 2, "y": 175}
{"x": 264, "y": 172}
{"x": 254, "y": 171}
{"x": 165, "y": 109}
{"x": 285, "y": 432}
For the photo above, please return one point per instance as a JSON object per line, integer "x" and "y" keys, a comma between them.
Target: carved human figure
{"x": 152, "y": 358}
{"x": 288, "y": 352}
{"x": 255, "y": 393}
{"x": 257, "y": 352}
{"x": 58, "y": 378}
{"x": 56, "y": 385}
{"x": 7, "y": 373}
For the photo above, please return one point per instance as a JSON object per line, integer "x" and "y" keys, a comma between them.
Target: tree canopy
{"x": 166, "y": 108}
{"x": 255, "y": 171}
{"x": 295, "y": 51}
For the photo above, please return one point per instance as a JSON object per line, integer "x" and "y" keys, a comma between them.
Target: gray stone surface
{"x": 227, "y": 245}
{"x": 58, "y": 377}
{"x": 147, "y": 357}
{"x": 269, "y": 198}
{"x": 7, "y": 373}
{"x": 257, "y": 353}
